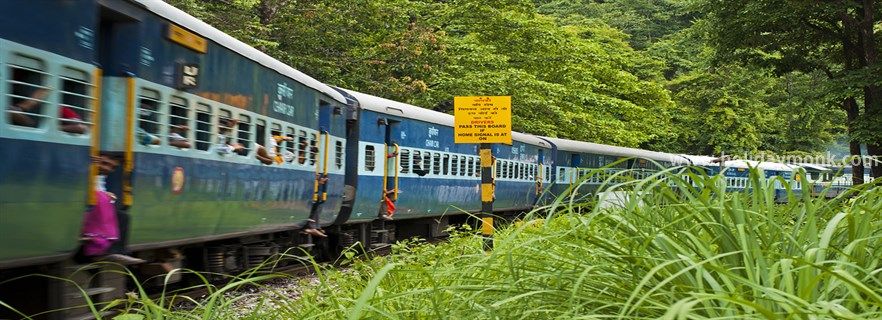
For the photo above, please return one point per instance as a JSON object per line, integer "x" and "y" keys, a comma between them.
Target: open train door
{"x": 321, "y": 152}
{"x": 389, "y": 194}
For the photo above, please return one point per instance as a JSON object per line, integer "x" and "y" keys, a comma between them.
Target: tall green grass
{"x": 668, "y": 251}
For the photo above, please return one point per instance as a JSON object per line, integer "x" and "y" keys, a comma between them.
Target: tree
{"x": 833, "y": 37}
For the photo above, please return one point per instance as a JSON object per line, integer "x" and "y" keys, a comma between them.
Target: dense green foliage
{"x": 651, "y": 74}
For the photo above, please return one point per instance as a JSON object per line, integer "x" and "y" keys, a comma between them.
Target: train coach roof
{"x": 596, "y": 148}
{"x": 773, "y": 166}
{"x": 701, "y": 160}
{"x": 392, "y": 107}
{"x": 815, "y": 167}
{"x": 185, "y": 20}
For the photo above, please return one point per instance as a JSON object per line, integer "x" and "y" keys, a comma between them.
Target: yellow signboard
{"x": 187, "y": 39}
{"x": 482, "y": 119}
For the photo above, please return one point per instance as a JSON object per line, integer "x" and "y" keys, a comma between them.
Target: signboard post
{"x": 484, "y": 120}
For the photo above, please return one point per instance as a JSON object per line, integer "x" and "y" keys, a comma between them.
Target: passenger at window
{"x": 225, "y": 145}
{"x": 262, "y": 155}
{"x": 275, "y": 150}
{"x": 301, "y": 154}
{"x": 19, "y": 111}
{"x": 71, "y": 121}
{"x": 145, "y": 138}
{"x": 176, "y": 137}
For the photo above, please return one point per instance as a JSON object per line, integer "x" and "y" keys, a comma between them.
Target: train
{"x": 190, "y": 114}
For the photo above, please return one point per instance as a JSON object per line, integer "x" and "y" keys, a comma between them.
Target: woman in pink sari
{"x": 100, "y": 225}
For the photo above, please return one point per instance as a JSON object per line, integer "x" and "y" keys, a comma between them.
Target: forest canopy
{"x": 664, "y": 75}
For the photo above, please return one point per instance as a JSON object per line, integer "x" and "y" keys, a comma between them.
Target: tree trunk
{"x": 872, "y": 93}
{"x": 854, "y": 146}
{"x": 875, "y": 150}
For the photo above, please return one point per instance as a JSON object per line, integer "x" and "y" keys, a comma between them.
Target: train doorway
{"x": 390, "y": 170}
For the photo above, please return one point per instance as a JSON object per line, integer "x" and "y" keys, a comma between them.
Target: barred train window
{"x": 471, "y": 166}
{"x": 260, "y": 136}
{"x": 445, "y": 163}
{"x": 504, "y": 171}
{"x": 148, "y": 116}
{"x": 417, "y": 161}
{"x": 75, "y": 111}
{"x": 498, "y": 169}
{"x": 462, "y": 166}
{"x": 244, "y": 134}
{"x": 313, "y": 148}
{"x": 27, "y": 92}
{"x": 203, "y": 126}
{"x": 177, "y": 120}
{"x": 454, "y": 165}
{"x": 370, "y": 162}
{"x": 338, "y": 154}
{"x": 477, "y": 167}
{"x": 436, "y": 163}
{"x": 427, "y": 162}
{"x": 561, "y": 175}
{"x": 404, "y": 160}
{"x": 276, "y": 130}
{"x": 302, "y": 147}
{"x": 291, "y": 146}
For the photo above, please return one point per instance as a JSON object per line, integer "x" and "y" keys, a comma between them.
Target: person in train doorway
{"x": 101, "y": 234}
{"x": 312, "y": 226}
{"x": 387, "y": 207}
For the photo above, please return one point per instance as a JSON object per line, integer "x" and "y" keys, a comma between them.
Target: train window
{"x": 224, "y": 131}
{"x": 498, "y": 170}
{"x": 260, "y": 139}
{"x": 338, "y": 154}
{"x": 477, "y": 167}
{"x": 370, "y": 161}
{"x": 260, "y": 133}
{"x": 404, "y": 160}
{"x": 243, "y": 134}
{"x": 454, "y": 165}
{"x": 178, "y": 112}
{"x": 291, "y": 146}
{"x": 148, "y": 117}
{"x": 470, "y": 166}
{"x": 28, "y": 92}
{"x": 462, "y": 166}
{"x": 75, "y": 111}
{"x": 313, "y": 148}
{"x": 427, "y": 162}
{"x": 203, "y": 126}
{"x": 561, "y": 175}
{"x": 547, "y": 174}
{"x": 417, "y": 161}
{"x": 436, "y": 163}
{"x": 302, "y": 146}
{"x": 445, "y": 163}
